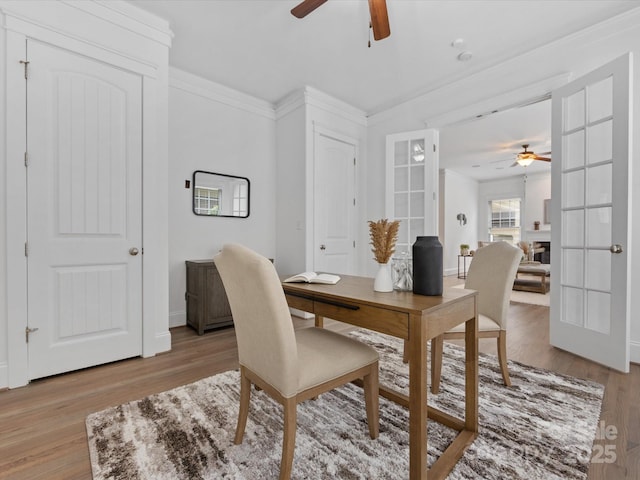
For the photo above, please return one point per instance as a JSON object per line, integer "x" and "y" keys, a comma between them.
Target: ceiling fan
{"x": 526, "y": 157}
{"x": 377, "y": 9}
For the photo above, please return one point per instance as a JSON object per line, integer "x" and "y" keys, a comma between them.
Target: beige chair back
{"x": 263, "y": 325}
{"x": 492, "y": 272}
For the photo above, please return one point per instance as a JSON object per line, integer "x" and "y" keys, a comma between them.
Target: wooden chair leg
{"x": 289, "y": 437}
{"x": 502, "y": 357}
{"x": 371, "y": 393}
{"x": 436, "y": 362}
{"x": 405, "y": 352}
{"x": 245, "y": 396}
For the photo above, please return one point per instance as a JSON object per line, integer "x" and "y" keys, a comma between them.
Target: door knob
{"x": 133, "y": 251}
{"x": 617, "y": 248}
{"x": 323, "y": 247}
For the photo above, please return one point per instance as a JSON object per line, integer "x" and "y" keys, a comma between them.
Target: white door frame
{"x": 156, "y": 336}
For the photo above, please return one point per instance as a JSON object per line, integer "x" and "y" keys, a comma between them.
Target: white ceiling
{"x": 259, "y": 48}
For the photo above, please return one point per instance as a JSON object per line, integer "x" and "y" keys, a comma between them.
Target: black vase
{"x": 427, "y": 266}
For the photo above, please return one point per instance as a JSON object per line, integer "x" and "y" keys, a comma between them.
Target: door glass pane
{"x": 573, "y": 189}
{"x": 417, "y": 151}
{"x": 600, "y": 142}
{"x": 575, "y": 111}
{"x": 416, "y": 206}
{"x": 401, "y": 205}
{"x": 417, "y": 177}
{"x": 401, "y": 181}
{"x": 416, "y": 228}
{"x": 574, "y": 150}
{"x": 573, "y": 228}
{"x": 599, "y": 184}
{"x": 601, "y": 99}
{"x": 572, "y": 306}
{"x": 573, "y": 268}
{"x": 401, "y": 153}
{"x": 599, "y": 269}
{"x": 599, "y": 312}
{"x": 599, "y": 227}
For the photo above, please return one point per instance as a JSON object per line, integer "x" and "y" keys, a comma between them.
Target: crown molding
{"x": 519, "y": 97}
{"x": 314, "y": 97}
{"x": 589, "y": 35}
{"x": 190, "y": 83}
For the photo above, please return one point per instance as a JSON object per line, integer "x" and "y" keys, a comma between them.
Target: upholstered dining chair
{"x": 291, "y": 366}
{"x": 491, "y": 273}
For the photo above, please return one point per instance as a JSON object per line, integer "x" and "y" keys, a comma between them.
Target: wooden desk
{"x": 415, "y": 318}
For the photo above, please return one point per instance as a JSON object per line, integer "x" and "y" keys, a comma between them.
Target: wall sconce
{"x": 462, "y": 218}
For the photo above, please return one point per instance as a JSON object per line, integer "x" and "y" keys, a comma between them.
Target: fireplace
{"x": 543, "y": 257}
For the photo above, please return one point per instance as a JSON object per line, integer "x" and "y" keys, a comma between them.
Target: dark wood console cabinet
{"x": 207, "y": 303}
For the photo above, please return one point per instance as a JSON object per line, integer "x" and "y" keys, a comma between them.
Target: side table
{"x": 464, "y": 265}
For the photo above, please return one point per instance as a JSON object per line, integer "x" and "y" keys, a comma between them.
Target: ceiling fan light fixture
{"x": 524, "y": 162}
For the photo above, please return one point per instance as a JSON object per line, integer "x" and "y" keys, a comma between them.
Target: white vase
{"x": 383, "y": 281}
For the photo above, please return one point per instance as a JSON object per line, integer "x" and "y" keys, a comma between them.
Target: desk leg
{"x": 417, "y": 398}
{"x": 319, "y": 321}
{"x": 471, "y": 372}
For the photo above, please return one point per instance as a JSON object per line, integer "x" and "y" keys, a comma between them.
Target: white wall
{"x": 216, "y": 129}
{"x": 537, "y": 190}
{"x": 458, "y": 194}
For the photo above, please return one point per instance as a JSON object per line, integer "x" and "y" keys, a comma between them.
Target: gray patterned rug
{"x": 542, "y": 427}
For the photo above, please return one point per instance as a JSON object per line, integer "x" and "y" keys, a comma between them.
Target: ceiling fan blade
{"x": 544, "y": 159}
{"x": 514, "y": 164}
{"x": 305, "y": 8}
{"x": 379, "y": 19}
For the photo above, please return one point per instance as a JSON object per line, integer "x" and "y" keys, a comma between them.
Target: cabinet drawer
{"x": 378, "y": 319}
{"x": 300, "y": 303}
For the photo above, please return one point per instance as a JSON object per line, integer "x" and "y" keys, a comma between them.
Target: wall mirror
{"x": 219, "y": 195}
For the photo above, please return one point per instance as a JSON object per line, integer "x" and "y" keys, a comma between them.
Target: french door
{"x": 412, "y": 185}
{"x": 590, "y": 186}
{"x": 84, "y": 213}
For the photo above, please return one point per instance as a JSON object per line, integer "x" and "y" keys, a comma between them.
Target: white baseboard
{"x": 163, "y": 342}
{"x": 4, "y": 375}
{"x": 635, "y": 352}
{"x": 177, "y": 319}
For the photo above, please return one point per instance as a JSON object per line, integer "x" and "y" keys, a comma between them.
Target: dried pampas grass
{"x": 383, "y": 239}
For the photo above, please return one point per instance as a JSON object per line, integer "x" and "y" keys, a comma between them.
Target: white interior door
{"x": 590, "y": 187}
{"x": 84, "y": 124}
{"x": 412, "y": 185}
{"x": 334, "y": 204}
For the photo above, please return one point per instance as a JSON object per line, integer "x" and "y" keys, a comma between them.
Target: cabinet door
{"x": 412, "y": 185}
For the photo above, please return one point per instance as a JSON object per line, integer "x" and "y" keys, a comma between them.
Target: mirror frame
{"x": 193, "y": 195}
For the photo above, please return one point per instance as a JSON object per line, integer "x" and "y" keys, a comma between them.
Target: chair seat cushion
{"x": 324, "y": 355}
{"x": 484, "y": 324}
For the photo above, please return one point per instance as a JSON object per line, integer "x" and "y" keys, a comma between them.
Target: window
{"x": 207, "y": 200}
{"x": 504, "y": 220}
{"x": 240, "y": 200}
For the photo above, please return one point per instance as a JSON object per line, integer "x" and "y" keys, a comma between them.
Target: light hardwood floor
{"x": 42, "y": 432}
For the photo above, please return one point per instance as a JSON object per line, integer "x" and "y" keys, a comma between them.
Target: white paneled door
{"x": 334, "y": 203}
{"x": 590, "y": 193}
{"x": 84, "y": 261}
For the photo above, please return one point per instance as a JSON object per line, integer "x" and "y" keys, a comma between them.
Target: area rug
{"x": 531, "y": 298}
{"x": 542, "y": 427}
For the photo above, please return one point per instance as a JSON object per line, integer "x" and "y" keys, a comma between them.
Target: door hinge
{"x": 434, "y": 147}
{"x": 27, "y": 331}
{"x": 354, "y": 160}
{"x": 354, "y": 201}
{"x": 26, "y": 249}
{"x": 354, "y": 244}
{"x": 26, "y": 159}
{"x": 25, "y": 63}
